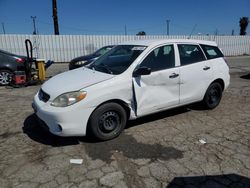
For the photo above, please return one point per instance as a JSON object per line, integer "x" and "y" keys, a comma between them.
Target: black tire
{"x": 107, "y": 121}
{"x": 213, "y": 96}
{"x": 5, "y": 77}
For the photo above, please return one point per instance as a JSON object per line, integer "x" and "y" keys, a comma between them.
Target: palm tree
{"x": 243, "y": 25}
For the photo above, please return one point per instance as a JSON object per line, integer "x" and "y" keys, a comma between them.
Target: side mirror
{"x": 141, "y": 71}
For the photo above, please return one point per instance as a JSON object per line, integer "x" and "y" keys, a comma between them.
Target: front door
{"x": 160, "y": 89}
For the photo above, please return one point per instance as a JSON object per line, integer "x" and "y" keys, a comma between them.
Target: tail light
{"x": 19, "y": 60}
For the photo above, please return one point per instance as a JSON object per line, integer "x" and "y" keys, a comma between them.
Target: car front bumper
{"x": 67, "y": 121}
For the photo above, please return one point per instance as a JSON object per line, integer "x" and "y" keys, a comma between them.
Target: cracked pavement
{"x": 160, "y": 150}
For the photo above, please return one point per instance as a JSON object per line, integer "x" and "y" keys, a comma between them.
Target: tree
{"x": 141, "y": 33}
{"x": 243, "y": 25}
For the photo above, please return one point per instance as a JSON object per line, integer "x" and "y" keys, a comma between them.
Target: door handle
{"x": 174, "y": 75}
{"x": 206, "y": 68}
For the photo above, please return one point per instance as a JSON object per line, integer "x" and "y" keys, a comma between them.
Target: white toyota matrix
{"x": 132, "y": 80}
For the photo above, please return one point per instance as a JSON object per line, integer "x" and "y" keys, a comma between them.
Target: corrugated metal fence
{"x": 63, "y": 48}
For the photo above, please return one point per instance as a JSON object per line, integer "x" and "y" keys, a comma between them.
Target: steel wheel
{"x": 5, "y": 77}
{"x": 213, "y": 96}
{"x": 107, "y": 121}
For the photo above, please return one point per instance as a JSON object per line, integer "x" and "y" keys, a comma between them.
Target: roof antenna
{"x": 192, "y": 31}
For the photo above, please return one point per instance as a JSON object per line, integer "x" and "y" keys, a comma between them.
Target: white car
{"x": 132, "y": 80}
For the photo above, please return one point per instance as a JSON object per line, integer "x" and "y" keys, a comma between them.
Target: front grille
{"x": 43, "y": 96}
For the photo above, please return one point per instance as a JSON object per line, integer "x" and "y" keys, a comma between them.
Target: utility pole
{"x": 168, "y": 27}
{"x": 34, "y": 24}
{"x": 55, "y": 18}
{"x": 125, "y": 30}
{"x": 3, "y": 28}
{"x": 232, "y": 32}
{"x": 216, "y": 32}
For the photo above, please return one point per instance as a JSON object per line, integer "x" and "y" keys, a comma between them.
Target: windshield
{"x": 118, "y": 59}
{"x": 103, "y": 50}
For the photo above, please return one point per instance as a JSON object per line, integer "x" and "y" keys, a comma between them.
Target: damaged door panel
{"x": 156, "y": 91}
{"x": 159, "y": 89}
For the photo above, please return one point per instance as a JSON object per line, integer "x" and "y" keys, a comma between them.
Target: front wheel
{"x": 213, "y": 96}
{"x": 5, "y": 77}
{"x": 107, "y": 121}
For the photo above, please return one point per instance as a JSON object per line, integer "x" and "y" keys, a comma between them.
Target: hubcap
{"x": 109, "y": 121}
{"x": 5, "y": 78}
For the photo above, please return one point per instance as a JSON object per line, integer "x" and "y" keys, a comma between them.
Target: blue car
{"x": 84, "y": 60}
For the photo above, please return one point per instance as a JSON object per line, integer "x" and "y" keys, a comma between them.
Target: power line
{"x": 192, "y": 31}
{"x": 125, "y": 30}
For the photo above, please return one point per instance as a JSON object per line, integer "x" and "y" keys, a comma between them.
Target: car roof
{"x": 155, "y": 42}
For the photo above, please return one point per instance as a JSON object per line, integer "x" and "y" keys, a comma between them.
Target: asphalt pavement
{"x": 184, "y": 147}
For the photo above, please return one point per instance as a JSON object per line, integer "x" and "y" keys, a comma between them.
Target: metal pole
{"x": 168, "y": 27}
{"x": 34, "y": 24}
{"x": 3, "y": 28}
{"x": 125, "y": 30}
{"x": 55, "y": 18}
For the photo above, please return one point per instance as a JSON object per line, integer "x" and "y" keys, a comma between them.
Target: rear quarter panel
{"x": 221, "y": 70}
{"x": 8, "y": 63}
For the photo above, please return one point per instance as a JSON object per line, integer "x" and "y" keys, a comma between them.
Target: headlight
{"x": 68, "y": 99}
{"x": 81, "y": 62}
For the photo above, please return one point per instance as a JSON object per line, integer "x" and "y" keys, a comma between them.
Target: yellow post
{"x": 41, "y": 69}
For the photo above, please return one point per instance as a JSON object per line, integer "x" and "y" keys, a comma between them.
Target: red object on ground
{"x": 19, "y": 77}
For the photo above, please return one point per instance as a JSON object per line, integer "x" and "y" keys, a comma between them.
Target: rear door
{"x": 195, "y": 73}
{"x": 160, "y": 89}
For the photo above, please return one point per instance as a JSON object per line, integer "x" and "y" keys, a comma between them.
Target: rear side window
{"x": 212, "y": 52}
{"x": 190, "y": 53}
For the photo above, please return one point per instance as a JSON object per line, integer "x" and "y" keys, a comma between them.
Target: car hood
{"x": 73, "y": 80}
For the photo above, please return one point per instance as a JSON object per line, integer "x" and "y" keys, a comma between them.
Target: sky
{"x": 110, "y": 17}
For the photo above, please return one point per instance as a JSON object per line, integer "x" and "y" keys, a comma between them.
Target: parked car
{"x": 84, "y": 60}
{"x": 132, "y": 80}
{"x": 8, "y": 64}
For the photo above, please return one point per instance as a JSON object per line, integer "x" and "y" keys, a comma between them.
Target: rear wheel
{"x": 5, "y": 77}
{"x": 213, "y": 96}
{"x": 108, "y": 121}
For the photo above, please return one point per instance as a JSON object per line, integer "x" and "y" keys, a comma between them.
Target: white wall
{"x": 63, "y": 48}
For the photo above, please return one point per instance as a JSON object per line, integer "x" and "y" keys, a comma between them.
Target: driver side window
{"x": 160, "y": 58}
